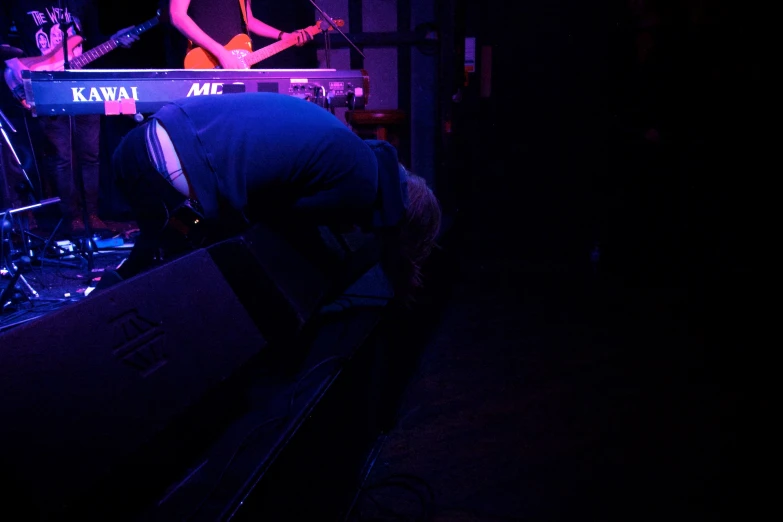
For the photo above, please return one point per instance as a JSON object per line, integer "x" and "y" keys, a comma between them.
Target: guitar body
{"x": 242, "y": 47}
{"x": 197, "y": 58}
{"x": 54, "y": 60}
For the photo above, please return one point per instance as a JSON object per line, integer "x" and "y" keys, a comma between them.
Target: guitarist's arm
{"x": 178, "y": 14}
{"x": 256, "y": 26}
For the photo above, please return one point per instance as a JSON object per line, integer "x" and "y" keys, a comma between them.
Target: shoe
{"x": 32, "y": 224}
{"x": 74, "y": 226}
{"x": 97, "y": 224}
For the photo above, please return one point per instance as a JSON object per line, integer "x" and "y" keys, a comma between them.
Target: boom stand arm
{"x": 327, "y": 46}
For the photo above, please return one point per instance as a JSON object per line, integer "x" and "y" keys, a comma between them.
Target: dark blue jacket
{"x": 269, "y": 154}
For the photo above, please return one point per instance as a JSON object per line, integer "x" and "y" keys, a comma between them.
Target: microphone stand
{"x": 30, "y": 189}
{"x": 327, "y": 46}
{"x": 66, "y": 22}
{"x": 65, "y": 25}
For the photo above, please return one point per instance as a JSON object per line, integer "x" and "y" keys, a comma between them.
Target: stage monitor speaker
{"x": 85, "y": 387}
{"x": 293, "y": 274}
{"x": 299, "y": 270}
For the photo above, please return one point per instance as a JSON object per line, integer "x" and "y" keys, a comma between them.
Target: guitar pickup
{"x": 117, "y": 107}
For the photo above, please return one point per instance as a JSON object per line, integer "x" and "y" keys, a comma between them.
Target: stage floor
{"x": 54, "y": 283}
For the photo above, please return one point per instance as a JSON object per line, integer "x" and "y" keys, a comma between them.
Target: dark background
{"x": 566, "y": 361}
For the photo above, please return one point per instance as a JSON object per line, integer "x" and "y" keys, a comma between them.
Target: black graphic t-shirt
{"x": 41, "y": 24}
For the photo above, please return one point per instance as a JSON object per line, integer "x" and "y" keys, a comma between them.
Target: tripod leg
{"x": 17, "y": 276}
{"x": 9, "y": 290}
{"x": 18, "y": 161}
{"x": 27, "y": 285}
{"x": 25, "y": 261}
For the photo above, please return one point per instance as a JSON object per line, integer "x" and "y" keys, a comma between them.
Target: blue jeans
{"x": 71, "y": 148}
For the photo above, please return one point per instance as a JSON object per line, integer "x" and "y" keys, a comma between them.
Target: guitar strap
{"x": 244, "y": 13}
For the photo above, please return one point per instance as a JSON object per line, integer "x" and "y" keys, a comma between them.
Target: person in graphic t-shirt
{"x": 69, "y": 150}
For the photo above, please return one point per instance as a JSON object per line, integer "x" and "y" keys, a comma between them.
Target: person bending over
{"x": 236, "y": 159}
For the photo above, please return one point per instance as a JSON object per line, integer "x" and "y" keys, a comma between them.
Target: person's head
{"x": 56, "y": 35}
{"x": 43, "y": 40}
{"x": 154, "y": 203}
{"x": 415, "y": 237}
{"x": 150, "y": 196}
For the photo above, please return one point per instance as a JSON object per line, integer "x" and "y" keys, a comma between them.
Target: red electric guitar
{"x": 241, "y": 46}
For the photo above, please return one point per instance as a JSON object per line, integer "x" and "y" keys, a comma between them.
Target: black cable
{"x": 403, "y": 481}
{"x": 294, "y": 394}
{"x": 477, "y": 513}
{"x": 230, "y": 461}
{"x": 11, "y": 319}
{"x": 429, "y": 507}
{"x": 385, "y": 510}
{"x": 417, "y": 479}
{"x": 60, "y": 270}
{"x": 243, "y": 444}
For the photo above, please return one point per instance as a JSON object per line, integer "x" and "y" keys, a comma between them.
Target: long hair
{"x": 412, "y": 242}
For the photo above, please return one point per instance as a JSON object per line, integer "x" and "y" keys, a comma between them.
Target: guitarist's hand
{"x": 125, "y": 37}
{"x": 13, "y": 78}
{"x": 228, "y": 60}
{"x": 302, "y": 37}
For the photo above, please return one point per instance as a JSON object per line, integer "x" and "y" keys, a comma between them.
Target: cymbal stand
{"x": 6, "y": 217}
{"x": 6, "y": 296}
{"x": 28, "y": 237}
{"x": 24, "y": 232}
{"x": 7, "y": 264}
{"x": 4, "y": 122}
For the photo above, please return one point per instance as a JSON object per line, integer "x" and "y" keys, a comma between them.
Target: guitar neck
{"x": 86, "y": 57}
{"x": 262, "y": 54}
{"x": 77, "y": 62}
